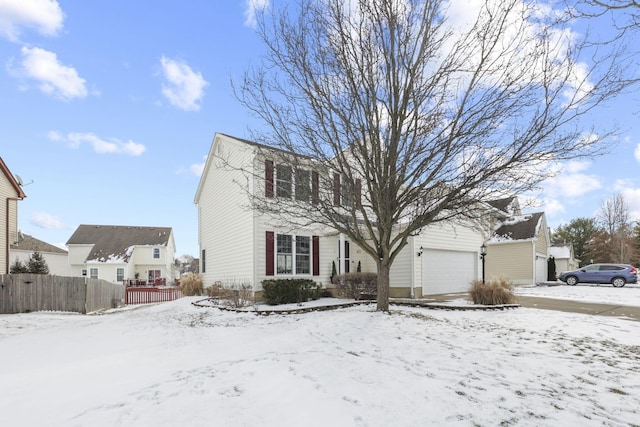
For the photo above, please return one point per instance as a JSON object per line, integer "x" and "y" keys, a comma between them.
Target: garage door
{"x": 446, "y": 272}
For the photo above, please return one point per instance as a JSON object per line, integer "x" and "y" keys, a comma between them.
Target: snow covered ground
{"x": 174, "y": 364}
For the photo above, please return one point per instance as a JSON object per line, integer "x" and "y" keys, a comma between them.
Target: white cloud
{"x": 47, "y": 221}
{"x": 636, "y": 153}
{"x": 571, "y": 182}
{"x": 252, "y": 6}
{"x": 183, "y": 87}
{"x": 553, "y": 208}
{"x": 54, "y": 78}
{"x": 196, "y": 168}
{"x": 100, "y": 146}
{"x": 45, "y": 16}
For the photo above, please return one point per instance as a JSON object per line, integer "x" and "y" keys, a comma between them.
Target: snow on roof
{"x": 519, "y": 227}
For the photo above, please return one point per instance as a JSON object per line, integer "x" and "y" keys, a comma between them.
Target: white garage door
{"x": 446, "y": 272}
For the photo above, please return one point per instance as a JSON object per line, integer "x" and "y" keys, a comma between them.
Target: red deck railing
{"x": 151, "y": 295}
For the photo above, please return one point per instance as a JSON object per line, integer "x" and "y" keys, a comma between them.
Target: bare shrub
{"x": 237, "y": 295}
{"x": 494, "y": 292}
{"x": 191, "y": 284}
{"x": 356, "y": 285}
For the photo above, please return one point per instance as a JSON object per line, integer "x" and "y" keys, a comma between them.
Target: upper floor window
{"x": 156, "y": 252}
{"x": 283, "y": 181}
{"x": 303, "y": 185}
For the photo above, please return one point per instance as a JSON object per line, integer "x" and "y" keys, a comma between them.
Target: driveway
{"x": 558, "y": 304}
{"x": 615, "y": 310}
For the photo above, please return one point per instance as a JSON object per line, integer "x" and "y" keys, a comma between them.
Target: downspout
{"x": 8, "y": 245}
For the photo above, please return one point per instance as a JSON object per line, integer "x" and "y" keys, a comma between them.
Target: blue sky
{"x": 109, "y": 108}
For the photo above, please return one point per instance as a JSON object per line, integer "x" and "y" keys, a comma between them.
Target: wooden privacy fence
{"x": 21, "y": 293}
{"x": 151, "y": 295}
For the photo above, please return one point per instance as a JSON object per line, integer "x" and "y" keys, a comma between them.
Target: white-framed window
{"x": 293, "y": 254}
{"x": 303, "y": 185}
{"x": 284, "y": 254}
{"x": 156, "y": 253}
{"x": 93, "y": 273}
{"x": 303, "y": 255}
{"x": 120, "y": 274}
{"x": 283, "y": 181}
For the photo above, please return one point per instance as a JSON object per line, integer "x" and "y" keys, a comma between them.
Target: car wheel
{"x": 618, "y": 282}
{"x": 572, "y": 280}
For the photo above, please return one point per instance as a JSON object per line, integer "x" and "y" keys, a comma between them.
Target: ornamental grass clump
{"x": 191, "y": 284}
{"x": 494, "y": 292}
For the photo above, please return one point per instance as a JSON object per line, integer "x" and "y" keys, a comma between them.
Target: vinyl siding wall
{"x": 225, "y": 223}
{"x": 511, "y": 260}
{"x": 58, "y": 263}
{"x": 9, "y": 222}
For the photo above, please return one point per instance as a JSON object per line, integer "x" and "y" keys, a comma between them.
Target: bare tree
{"x": 617, "y": 230}
{"x": 424, "y": 112}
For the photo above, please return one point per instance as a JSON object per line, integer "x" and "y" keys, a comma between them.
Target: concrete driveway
{"x": 629, "y": 312}
{"x": 569, "y": 306}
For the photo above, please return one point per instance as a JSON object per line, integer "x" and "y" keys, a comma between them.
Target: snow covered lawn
{"x": 174, "y": 364}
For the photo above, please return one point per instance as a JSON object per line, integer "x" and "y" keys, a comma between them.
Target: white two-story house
{"x": 130, "y": 255}
{"x": 241, "y": 245}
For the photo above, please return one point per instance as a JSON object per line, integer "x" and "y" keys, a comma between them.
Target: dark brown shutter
{"x": 269, "y": 254}
{"x": 315, "y": 192}
{"x": 346, "y": 257}
{"x": 316, "y": 255}
{"x": 336, "y": 189}
{"x": 358, "y": 191}
{"x": 268, "y": 178}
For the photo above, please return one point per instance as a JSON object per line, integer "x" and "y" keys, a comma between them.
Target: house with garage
{"x": 56, "y": 258}
{"x": 518, "y": 248}
{"x": 241, "y": 245}
{"x": 10, "y": 194}
{"x": 129, "y": 255}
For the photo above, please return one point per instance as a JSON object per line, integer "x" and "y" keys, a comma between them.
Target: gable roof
{"x": 115, "y": 243}
{"x": 30, "y": 243}
{"x": 12, "y": 180}
{"x": 521, "y": 227}
{"x": 508, "y": 205}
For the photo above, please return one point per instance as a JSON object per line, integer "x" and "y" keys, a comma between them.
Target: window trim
{"x": 273, "y": 255}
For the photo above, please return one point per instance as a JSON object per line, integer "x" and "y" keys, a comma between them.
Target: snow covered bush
{"x": 494, "y": 292}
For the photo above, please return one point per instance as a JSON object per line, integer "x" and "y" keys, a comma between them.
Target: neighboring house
{"x": 239, "y": 245}
{"x": 564, "y": 257}
{"x": 10, "y": 193}
{"x": 56, "y": 258}
{"x": 518, "y": 249}
{"x": 123, "y": 254}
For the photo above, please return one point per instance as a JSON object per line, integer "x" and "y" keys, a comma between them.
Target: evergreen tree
{"x": 18, "y": 267}
{"x": 579, "y": 232}
{"x": 37, "y": 264}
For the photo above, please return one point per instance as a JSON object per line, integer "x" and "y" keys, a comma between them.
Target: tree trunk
{"x": 383, "y": 286}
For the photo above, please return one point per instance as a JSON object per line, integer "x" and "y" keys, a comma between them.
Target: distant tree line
{"x": 611, "y": 236}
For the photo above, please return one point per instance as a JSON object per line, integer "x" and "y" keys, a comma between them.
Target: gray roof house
{"x": 55, "y": 257}
{"x": 123, "y": 254}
